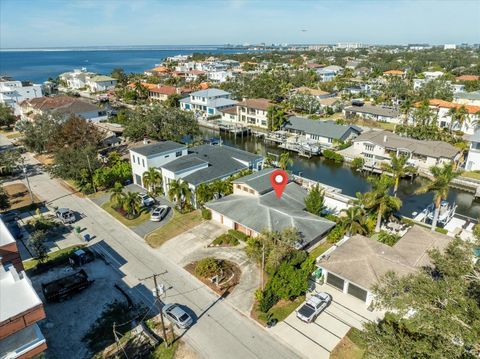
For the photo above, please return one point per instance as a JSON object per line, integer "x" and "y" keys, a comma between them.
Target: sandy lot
{"x": 18, "y": 195}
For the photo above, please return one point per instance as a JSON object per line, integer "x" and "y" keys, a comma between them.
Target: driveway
{"x": 192, "y": 246}
{"x": 318, "y": 339}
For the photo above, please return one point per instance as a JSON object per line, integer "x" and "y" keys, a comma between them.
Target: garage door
{"x": 357, "y": 292}
{"x": 335, "y": 281}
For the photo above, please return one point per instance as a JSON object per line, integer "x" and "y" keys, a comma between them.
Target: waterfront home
{"x": 253, "y": 112}
{"x": 13, "y": 92}
{"x": 207, "y": 102}
{"x": 473, "y": 158}
{"x": 101, "y": 83}
{"x": 377, "y": 113}
{"x": 230, "y": 115}
{"x": 76, "y": 79}
{"x": 157, "y": 71}
{"x": 467, "y": 98}
{"x": 378, "y": 146}
{"x": 357, "y": 264}
{"x": 65, "y": 106}
{"x": 20, "y": 306}
{"x": 254, "y": 207}
{"x": 325, "y": 133}
{"x": 328, "y": 73}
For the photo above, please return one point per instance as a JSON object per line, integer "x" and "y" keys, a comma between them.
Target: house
{"x": 76, "y": 79}
{"x": 356, "y": 265}
{"x": 378, "y": 146}
{"x": 100, "y": 83}
{"x": 230, "y": 115}
{"x": 194, "y": 75}
{"x": 162, "y": 92}
{"x": 334, "y": 103}
{"x": 473, "y": 158}
{"x": 13, "y": 92}
{"x": 65, "y": 106}
{"x": 317, "y": 93}
{"x": 467, "y": 78}
{"x": 394, "y": 73}
{"x": 153, "y": 155}
{"x": 254, "y": 207}
{"x": 377, "y": 113}
{"x": 323, "y": 132}
{"x": 467, "y": 98}
{"x": 20, "y": 306}
{"x": 220, "y": 76}
{"x": 207, "y": 102}
{"x": 328, "y": 73}
{"x": 353, "y": 64}
{"x": 253, "y": 112}
{"x": 208, "y": 163}
{"x": 157, "y": 71}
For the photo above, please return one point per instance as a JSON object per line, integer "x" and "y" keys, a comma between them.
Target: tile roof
{"x": 468, "y": 78}
{"x": 160, "y": 69}
{"x": 229, "y": 110}
{"x": 61, "y": 104}
{"x": 255, "y": 103}
{"x": 327, "y": 129}
{"x": 446, "y": 104}
{"x": 157, "y": 148}
{"x": 393, "y": 72}
{"x": 435, "y": 149}
{"x": 164, "y": 90}
{"x": 364, "y": 261}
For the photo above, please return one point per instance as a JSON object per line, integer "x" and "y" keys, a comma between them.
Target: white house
{"x": 207, "y": 102}
{"x": 12, "y": 92}
{"x": 101, "y": 83}
{"x": 377, "y": 113}
{"x": 473, "y": 157}
{"x": 220, "y": 76}
{"x": 328, "y": 73}
{"x": 76, "y": 79}
{"x": 253, "y": 112}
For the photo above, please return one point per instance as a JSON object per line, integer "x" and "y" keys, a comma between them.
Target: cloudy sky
{"x": 53, "y": 23}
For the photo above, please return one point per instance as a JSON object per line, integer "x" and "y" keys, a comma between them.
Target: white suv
{"x": 147, "y": 201}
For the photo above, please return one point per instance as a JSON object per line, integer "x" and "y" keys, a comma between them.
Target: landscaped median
{"x": 178, "y": 224}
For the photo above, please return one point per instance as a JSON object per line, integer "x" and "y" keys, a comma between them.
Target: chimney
{"x": 385, "y": 138}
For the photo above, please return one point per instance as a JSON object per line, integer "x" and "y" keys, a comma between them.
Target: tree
{"x": 203, "y": 193}
{"x": 276, "y": 117}
{"x": 432, "y": 313}
{"x": 131, "y": 204}
{"x": 173, "y": 101}
{"x": 39, "y": 133}
{"x": 354, "y": 221}
{"x": 379, "y": 199}
{"x": 181, "y": 193}
{"x": 152, "y": 179}
{"x": 285, "y": 160}
{"x": 305, "y": 103}
{"x": 314, "y": 200}
{"x": 399, "y": 168}
{"x": 119, "y": 74}
{"x": 9, "y": 160}
{"x": 423, "y": 115}
{"x": 439, "y": 185}
{"x": 4, "y": 201}
{"x": 117, "y": 196}
{"x": 75, "y": 132}
{"x": 37, "y": 242}
{"x": 7, "y": 118}
{"x": 405, "y": 108}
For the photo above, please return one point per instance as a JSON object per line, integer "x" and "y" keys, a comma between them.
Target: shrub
{"x": 333, "y": 156}
{"x": 206, "y": 214}
{"x": 208, "y": 267}
{"x": 388, "y": 238}
{"x": 336, "y": 234}
{"x": 331, "y": 217}
{"x": 267, "y": 300}
{"x": 357, "y": 163}
{"x": 441, "y": 230}
{"x": 226, "y": 239}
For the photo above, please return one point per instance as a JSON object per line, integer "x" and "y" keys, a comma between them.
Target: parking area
{"x": 318, "y": 339}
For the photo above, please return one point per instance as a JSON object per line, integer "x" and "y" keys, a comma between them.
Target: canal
{"x": 349, "y": 181}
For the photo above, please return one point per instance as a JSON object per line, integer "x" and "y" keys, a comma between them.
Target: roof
{"x": 475, "y": 137}
{"x": 255, "y": 103}
{"x": 157, "y": 148}
{"x": 165, "y": 90}
{"x": 229, "y": 110}
{"x": 329, "y": 101}
{"x": 475, "y": 95}
{"x": 435, "y": 149}
{"x": 259, "y": 181}
{"x": 210, "y": 93}
{"x": 446, "y": 104}
{"x": 374, "y": 110}
{"x": 101, "y": 78}
{"x": 267, "y": 212}
{"x": 161, "y": 69}
{"x": 5, "y": 235}
{"x": 468, "y": 78}
{"x": 327, "y": 129}
{"x": 184, "y": 163}
{"x": 312, "y": 91}
{"x": 364, "y": 261}
{"x": 393, "y": 72}
{"x": 63, "y": 104}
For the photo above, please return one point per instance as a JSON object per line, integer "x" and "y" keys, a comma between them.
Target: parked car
{"x": 14, "y": 229}
{"x": 177, "y": 315}
{"x": 147, "y": 201}
{"x": 310, "y": 310}
{"x": 65, "y": 215}
{"x": 159, "y": 213}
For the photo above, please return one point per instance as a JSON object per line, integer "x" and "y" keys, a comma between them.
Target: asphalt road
{"x": 219, "y": 332}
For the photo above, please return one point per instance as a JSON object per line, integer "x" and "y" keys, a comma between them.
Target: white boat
{"x": 447, "y": 211}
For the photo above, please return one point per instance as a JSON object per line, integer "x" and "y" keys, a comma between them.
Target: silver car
{"x": 147, "y": 201}
{"x": 159, "y": 213}
{"x": 177, "y": 315}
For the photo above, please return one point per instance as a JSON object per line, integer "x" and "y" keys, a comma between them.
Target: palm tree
{"x": 423, "y": 115}
{"x": 277, "y": 116}
{"x": 442, "y": 176}
{"x": 116, "y": 195}
{"x": 181, "y": 192}
{"x": 354, "y": 220}
{"x": 453, "y": 117}
{"x": 203, "y": 193}
{"x": 152, "y": 179}
{"x": 285, "y": 160}
{"x": 131, "y": 204}
{"x": 462, "y": 116}
{"x": 405, "y": 108}
{"x": 399, "y": 168}
{"x": 380, "y": 200}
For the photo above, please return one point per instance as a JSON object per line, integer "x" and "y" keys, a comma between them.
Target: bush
{"x": 336, "y": 234}
{"x": 331, "y": 217}
{"x": 267, "y": 300}
{"x": 226, "y": 239}
{"x": 206, "y": 214}
{"x": 357, "y": 163}
{"x": 441, "y": 230}
{"x": 388, "y": 238}
{"x": 208, "y": 267}
{"x": 333, "y": 156}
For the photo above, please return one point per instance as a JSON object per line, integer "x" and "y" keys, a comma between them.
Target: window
{"x": 178, "y": 153}
{"x": 143, "y": 162}
{"x": 138, "y": 160}
{"x": 369, "y": 147}
{"x": 133, "y": 158}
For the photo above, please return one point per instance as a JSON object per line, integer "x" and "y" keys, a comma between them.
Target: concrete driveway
{"x": 318, "y": 339}
{"x": 192, "y": 246}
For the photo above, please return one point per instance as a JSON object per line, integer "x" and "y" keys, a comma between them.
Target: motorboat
{"x": 446, "y": 213}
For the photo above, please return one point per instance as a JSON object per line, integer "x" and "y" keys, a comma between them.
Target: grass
{"x": 279, "y": 311}
{"x": 177, "y": 225}
{"x": 144, "y": 215}
{"x": 350, "y": 347}
{"x": 471, "y": 174}
{"x": 54, "y": 258}
{"x": 230, "y": 239}
{"x": 162, "y": 352}
{"x": 320, "y": 249}
{"x": 19, "y": 197}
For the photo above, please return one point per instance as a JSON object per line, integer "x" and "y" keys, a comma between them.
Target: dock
{"x": 222, "y": 126}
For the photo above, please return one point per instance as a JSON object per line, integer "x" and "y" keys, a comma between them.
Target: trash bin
{"x": 86, "y": 237}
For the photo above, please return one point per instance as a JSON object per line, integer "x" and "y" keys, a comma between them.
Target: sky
{"x": 54, "y": 23}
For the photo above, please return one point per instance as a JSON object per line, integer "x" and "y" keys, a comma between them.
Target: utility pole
{"x": 91, "y": 173}
{"x": 157, "y": 294}
{"x": 263, "y": 263}
{"x": 24, "y": 170}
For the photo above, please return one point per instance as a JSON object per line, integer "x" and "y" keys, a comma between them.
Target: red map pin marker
{"x": 279, "y": 179}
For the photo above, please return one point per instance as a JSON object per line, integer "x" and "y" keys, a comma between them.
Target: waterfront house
{"x": 253, "y": 112}
{"x": 328, "y": 73}
{"x": 230, "y": 115}
{"x": 65, "y": 106}
{"x": 101, "y": 83}
{"x": 325, "y": 133}
{"x": 473, "y": 157}
{"x": 20, "y": 306}
{"x": 378, "y": 146}
{"x": 76, "y": 79}
{"x": 13, "y": 92}
{"x": 157, "y": 71}
{"x": 357, "y": 264}
{"x": 207, "y": 102}
{"x": 377, "y": 113}
{"x": 253, "y": 207}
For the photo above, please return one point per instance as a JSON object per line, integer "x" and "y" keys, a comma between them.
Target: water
{"x": 349, "y": 181}
{"x": 39, "y": 65}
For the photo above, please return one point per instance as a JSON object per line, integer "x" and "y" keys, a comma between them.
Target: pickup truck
{"x": 310, "y": 310}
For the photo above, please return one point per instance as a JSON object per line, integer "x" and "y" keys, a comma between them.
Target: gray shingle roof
{"x": 374, "y": 110}
{"x": 475, "y": 95}
{"x": 322, "y": 128}
{"x": 157, "y": 148}
{"x": 267, "y": 212}
{"x": 184, "y": 163}
{"x": 259, "y": 181}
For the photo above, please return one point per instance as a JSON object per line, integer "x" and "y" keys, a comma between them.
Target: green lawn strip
{"x": 279, "y": 311}
{"x": 320, "y": 249}
{"x": 54, "y": 258}
{"x": 471, "y": 174}
{"x": 178, "y": 224}
{"x": 144, "y": 215}
{"x": 164, "y": 352}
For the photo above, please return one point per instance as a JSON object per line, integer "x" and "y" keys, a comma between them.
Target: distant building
{"x": 473, "y": 158}
{"x": 317, "y": 93}
{"x": 81, "y": 79}
{"x": 207, "y": 102}
{"x": 350, "y": 46}
{"x": 467, "y": 98}
{"x": 13, "y": 92}
{"x": 397, "y": 73}
{"x": 328, "y": 73}
{"x": 449, "y": 47}
{"x": 467, "y": 78}
{"x": 101, "y": 83}
{"x": 377, "y": 113}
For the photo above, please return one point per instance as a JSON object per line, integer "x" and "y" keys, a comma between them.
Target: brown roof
{"x": 364, "y": 261}
{"x": 256, "y": 103}
{"x": 393, "y": 72}
{"x": 230, "y": 110}
{"x": 65, "y": 104}
{"x": 468, "y": 78}
{"x": 164, "y": 90}
{"x": 446, "y": 104}
{"x": 312, "y": 91}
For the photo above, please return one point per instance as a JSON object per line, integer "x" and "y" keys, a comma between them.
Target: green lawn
{"x": 279, "y": 311}
{"x": 162, "y": 352}
{"x": 57, "y": 257}
{"x": 350, "y": 347}
{"x": 177, "y": 225}
{"x": 320, "y": 249}
{"x": 144, "y": 215}
{"x": 471, "y": 174}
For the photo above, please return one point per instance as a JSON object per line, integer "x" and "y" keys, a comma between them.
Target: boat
{"x": 447, "y": 211}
